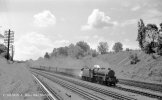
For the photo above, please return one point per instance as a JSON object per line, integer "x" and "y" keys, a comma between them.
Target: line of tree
{"x": 82, "y": 49}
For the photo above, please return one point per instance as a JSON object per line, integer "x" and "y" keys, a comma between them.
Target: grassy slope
{"x": 15, "y": 79}
{"x": 147, "y": 69}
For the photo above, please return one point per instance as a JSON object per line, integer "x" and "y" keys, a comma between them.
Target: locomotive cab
{"x": 111, "y": 78}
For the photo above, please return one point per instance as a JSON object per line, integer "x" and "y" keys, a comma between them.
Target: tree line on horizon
{"x": 82, "y": 49}
{"x": 149, "y": 38}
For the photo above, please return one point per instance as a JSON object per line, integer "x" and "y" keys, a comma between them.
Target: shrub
{"x": 133, "y": 58}
{"x": 94, "y": 53}
{"x": 127, "y": 49}
{"x": 46, "y": 55}
{"x": 3, "y": 51}
{"x": 159, "y": 50}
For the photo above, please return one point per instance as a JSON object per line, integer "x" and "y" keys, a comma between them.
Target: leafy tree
{"x": 3, "y": 50}
{"x": 151, "y": 26}
{"x": 151, "y": 39}
{"x": 83, "y": 45}
{"x": 118, "y": 47}
{"x": 71, "y": 50}
{"x": 103, "y": 47}
{"x": 75, "y": 51}
{"x": 79, "y": 52}
{"x": 54, "y": 53}
{"x": 83, "y": 48}
{"x": 148, "y": 37}
{"x": 63, "y": 51}
{"x": 160, "y": 26}
{"x": 151, "y": 33}
{"x": 159, "y": 49}
{"x": 141, "y": 33}
{"x": 46, "y": 55}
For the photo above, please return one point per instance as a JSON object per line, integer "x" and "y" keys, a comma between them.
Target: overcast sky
{"x": 41, "y": 25}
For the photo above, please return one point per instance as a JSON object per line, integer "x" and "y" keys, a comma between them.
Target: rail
{"x": 90, "y": 87}
{"x": 50, "y": 94}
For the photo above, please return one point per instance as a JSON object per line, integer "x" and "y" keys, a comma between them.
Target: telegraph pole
{"x": 9, "y": 39}
{"x": 8, "y": 47}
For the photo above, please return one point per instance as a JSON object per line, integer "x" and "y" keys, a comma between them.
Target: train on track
{"x": 99, "y": 75}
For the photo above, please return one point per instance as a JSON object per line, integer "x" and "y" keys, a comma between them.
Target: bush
{"x": 133, "y": 58}
{"x": 46, "y": 55}
{"x": 94, "y": 53}
{"x": 127, "y": 49}
{"x": 3, "y": 51}
{"x": 159, "y": 50}
{"x": 148, "y": 49}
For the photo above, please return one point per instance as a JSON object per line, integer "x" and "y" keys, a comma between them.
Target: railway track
{"x": 140, "y": 92}
{"x": 82, "y": 92}
{"x": 143, "y": 85}
{"x": 150, "y": 86}
{"x": 49, "y": 93}
{"x": 159, "y": 97}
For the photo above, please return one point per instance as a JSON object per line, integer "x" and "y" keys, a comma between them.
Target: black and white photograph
{"x": 80, "y": 49}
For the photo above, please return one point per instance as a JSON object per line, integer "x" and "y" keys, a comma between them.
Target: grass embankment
{"x": 16, "y": 82}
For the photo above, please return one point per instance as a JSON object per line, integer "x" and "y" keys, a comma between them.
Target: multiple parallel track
{"x": 145, "y": 85}
{"x": 89, "y": 96}
{"x": 46, "y": 93}
{"x": 140, "y": 92}
{"x": 150, "y": 86}
{"x": 82, "y": 93}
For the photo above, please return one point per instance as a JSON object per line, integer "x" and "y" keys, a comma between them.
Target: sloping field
{"x": 148, "y": 69}
{"x": 16, "y": 82}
